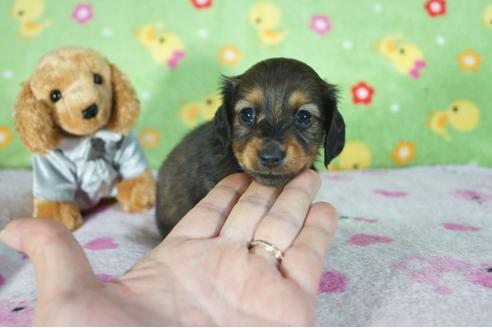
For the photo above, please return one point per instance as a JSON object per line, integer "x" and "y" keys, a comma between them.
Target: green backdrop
{"x": 415, "y": 75}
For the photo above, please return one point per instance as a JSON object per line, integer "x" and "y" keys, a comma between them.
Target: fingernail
{"x": 8, "y": 239}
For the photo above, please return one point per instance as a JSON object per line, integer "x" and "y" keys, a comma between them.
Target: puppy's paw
{"x": 66, "y": 213}
{"x": 137, "y": 194}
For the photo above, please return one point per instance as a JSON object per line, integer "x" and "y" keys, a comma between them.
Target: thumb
{"x": 59, "y": 262}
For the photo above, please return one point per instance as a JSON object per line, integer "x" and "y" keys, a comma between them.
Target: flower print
{"x": 362, "y": 93}
{"x": 320, "y": 24}
{"x": 201, "y": 4}
{"x": 229, "y": 55}
{"x": 469, "y": 60}
{"x": 435, "y": 7}
{"x": 149, "y": 138}
{"x": 403, "y": 153}
{"x": 82, "y": 13}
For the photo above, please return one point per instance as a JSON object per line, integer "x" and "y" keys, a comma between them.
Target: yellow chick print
{"x": 462, "y": 115}
{"x": 28, "y": 12}
{"x": 164, "y": 47}
{"x": 209, "y": 105}
{"x": 265, "y": 17}
{"x": 406, "y": 57}
{"x": 487, "y": 16}
{"x": 196, "y": 112}
{"x": 354, "y": 156}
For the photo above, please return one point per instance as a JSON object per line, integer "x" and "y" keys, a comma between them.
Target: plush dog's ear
{"x": 334, "y": 126}
{"x": 34, "y": 123}
{"x": 221, "y": 120}
{"x": 126, "y": 105}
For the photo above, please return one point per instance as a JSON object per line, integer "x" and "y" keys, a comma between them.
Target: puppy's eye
{"x": 98, "y": 79}
{"x": 55, "y": 95}
{"x": 303, "y": 118}
{"x": 247, "y": 116}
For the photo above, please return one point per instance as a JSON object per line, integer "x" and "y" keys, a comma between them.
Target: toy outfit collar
{"x": 72, "y": 145}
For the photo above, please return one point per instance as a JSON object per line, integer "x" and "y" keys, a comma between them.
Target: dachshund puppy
{"x": 272, "y": 120}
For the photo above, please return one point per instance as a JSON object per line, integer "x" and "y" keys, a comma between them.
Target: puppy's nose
{"x": 271, "y": 156}
{"x": 89, "y": 112}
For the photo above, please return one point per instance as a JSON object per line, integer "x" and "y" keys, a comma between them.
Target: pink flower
{"x": 435, "y": 7}
{"x": 362, "y": 93}
{"x": 320, "y": 24}
{"x": 82, "y": 13}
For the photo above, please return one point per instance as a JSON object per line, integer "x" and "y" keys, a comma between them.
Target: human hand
{"x": 202, "y": 273}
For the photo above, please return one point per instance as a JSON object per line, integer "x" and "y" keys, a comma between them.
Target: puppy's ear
{"x": 222, "y": 128}
{"x": 126, "y": 105}
{"x": 221, "y": 120}
{"x": 34, "y": 123}
{"x": 334, "y": 126}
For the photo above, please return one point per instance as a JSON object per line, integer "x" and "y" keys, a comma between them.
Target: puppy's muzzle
{"x": 271, "y": 156}
{"x": 90, "y": 112}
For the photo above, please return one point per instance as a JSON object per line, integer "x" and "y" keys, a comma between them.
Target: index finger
{"x": 208, "y": 216}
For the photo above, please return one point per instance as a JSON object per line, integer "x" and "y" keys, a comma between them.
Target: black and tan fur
{"x": 276, "y": 89}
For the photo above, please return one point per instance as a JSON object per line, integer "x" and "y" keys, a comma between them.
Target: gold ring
{"x": 275, "y": 251}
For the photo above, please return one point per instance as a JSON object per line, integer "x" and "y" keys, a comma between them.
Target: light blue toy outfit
{"x": 87, "y": 169}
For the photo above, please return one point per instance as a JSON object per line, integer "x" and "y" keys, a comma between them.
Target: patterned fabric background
{"x": 414, "y": 75}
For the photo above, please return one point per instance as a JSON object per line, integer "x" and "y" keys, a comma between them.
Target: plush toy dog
{"x": 75, "y": 114}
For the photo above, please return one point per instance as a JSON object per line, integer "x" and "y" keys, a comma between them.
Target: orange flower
{"x": 229, "y": 55}
{"x": 189, "y": 113}
{"x": 149, "y": 138}
{"x": 5, "y": 136}
{"x": 403, "y": 153}
{"x": 469, "y": 60}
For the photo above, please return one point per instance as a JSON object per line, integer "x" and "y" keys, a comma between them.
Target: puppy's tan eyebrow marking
{"x": 254, "y": 96}
{"x": 297, "y": 98}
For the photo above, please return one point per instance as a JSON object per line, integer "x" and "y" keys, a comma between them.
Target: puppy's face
{"x": 279, "y": 112}
{"x": 76, "y": 85}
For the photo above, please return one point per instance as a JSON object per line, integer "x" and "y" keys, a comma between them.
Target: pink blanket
{"x": 413, "y": 247}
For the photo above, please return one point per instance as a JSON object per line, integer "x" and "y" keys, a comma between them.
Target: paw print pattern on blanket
{"x": 103, "y": 277}
{"x": 366, "y": 240}
{"x": 16, "y": 313}
{"x": 101, "y": 243}
{"x": 460, "y": 227}
{"x": 390, "y": 193}
{"x": 473, "y": 195}
{"x": 333, "y": 282}
{"x": 431, "y": 271}
{"x": 364, "y": 219}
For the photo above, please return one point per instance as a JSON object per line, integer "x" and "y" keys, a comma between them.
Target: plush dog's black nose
{"x": 271, "y": 156}
{"x": 89, "y": 112}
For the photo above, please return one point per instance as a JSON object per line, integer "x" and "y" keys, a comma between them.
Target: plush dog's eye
{"x": 55, "y": 95}
{"x": 247, "y": 115}
{"x": 98, "y": 79}
{"x": 303, "y": 118}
